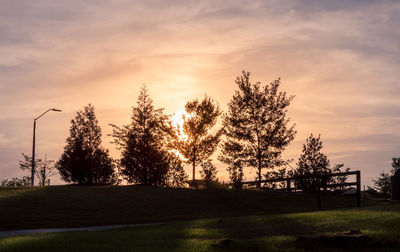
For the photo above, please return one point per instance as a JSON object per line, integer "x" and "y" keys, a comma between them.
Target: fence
{"x": 321, "y": 183}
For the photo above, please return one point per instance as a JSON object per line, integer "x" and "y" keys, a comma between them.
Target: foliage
{"x": 339, "y": 179}
{"x": 209, "y": 171}
{"x": 146, "y": 158}
{"x": 176, "y": 175}
{"x": 199, "y": 144}
{"x": 395, "y": 164}
{"x": 313, "y": 162}
{"x": 280, "y": 173}
{"x": 382, "y": 184}
{"x": 256, "y": 127}
{"x": 236, "y": 174}
{"x": 24, "y": 181}
{"x": 84, "y": 160}
{"x": 44, "y": 168}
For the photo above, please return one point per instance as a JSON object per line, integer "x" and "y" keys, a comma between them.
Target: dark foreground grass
{"x": 76, "y": 206}
{"x": 276, "y": 232}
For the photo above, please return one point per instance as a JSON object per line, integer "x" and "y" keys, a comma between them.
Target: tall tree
{"x": 312, "y": 162}
{"x": 84, "y": 160}
{"x": 44, "y": 168}
{"x": 256, "y": 127}
{"x": 145, "y": 157}
{"x": 200, "y": 142}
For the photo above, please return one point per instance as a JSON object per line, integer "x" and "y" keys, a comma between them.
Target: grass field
{"x": 76, "y": 206}
{"x": 270, "y": 232}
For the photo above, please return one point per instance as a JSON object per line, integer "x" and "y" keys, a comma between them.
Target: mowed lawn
{"x": 78, "y": 206}
{"x": 268, "y": 232}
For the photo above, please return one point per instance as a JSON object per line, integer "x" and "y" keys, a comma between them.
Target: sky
{"x": 341, "y": 59}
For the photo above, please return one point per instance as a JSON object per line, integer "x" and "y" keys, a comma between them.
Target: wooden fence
{"x": 321, "y": 183}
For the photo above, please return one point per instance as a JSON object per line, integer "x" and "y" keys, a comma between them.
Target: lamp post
{"x": 34, "y": 140}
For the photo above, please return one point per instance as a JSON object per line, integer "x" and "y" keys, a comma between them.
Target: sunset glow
{"x": 339, "y": 58}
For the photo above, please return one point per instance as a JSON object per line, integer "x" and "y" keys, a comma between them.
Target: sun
{"x": 177, "y": 121}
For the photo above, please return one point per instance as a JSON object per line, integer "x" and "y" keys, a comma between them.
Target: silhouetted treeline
{"x": 255, "y": 132}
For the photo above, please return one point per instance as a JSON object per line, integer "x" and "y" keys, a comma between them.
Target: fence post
{"x": 319, "y": 193}
{"x": 358, "y": 177}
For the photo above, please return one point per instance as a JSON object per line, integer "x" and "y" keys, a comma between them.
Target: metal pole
{"x": 33, "y": 154}
{"x": 358, "y": 179}
{"x": 33, "y": 143}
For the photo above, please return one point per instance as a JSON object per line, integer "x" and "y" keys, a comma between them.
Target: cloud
{"x": 340, "y": 59}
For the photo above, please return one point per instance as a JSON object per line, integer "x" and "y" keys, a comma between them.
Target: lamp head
{"x": 57, "y": 110}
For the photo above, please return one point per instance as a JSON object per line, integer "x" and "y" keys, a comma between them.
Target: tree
{"x": 312, "y": 162}
{"x": 176, "y": 176}
{"x": 395, "y": 164}
{"x": 209, "y": 171}
{"x": 84, "y": 160}
{"x": 256, "y": 127}
{"x": 44, "y": 168}
{"x": 199, "y": 144}
{"x": 146, "y": 158}
{"x": 24, "y": 181}
{"x": 382, "y": 184}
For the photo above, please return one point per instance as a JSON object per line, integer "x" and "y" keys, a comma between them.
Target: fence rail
{"x": 323, "y": 177}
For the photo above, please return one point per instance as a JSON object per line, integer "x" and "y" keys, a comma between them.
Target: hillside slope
{"x": 75, "y": 206}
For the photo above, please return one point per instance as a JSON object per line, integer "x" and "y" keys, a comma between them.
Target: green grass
{"x": 270, "y": 232}
{"x": 76, "y": 206}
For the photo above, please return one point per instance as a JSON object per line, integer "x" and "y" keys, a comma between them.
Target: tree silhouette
{"x": 395, "y": 164}
{"x": 44, "y": 168}
{"x": 208, "y": 171}
{"x": 176, "y": 176}
{"x": 199, "y": 144}
{"x": 146, "y": 158}
{"x": 256, "y": 127}
{"x": 84, "y": 160}
{"x": 311, "y": 162}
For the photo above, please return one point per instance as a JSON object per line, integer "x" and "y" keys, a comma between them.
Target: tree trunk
{"x": 259, "y": 172}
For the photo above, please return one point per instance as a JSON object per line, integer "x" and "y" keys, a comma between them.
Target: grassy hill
{"x": 310, "y": 231}
{"x": 75, "y": 206}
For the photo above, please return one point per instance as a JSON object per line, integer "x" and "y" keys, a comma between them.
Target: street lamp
{"x": 33, "y": 144}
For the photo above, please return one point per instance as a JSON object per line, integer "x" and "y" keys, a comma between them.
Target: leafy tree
{"x": 199, "y": 144}
{"x": 44, "y": 168}
{"x": 312, "y": 162}
{"x": 339, "y": 179}
{"x": 395, "y": 164}
{"x": 176, "y": 176}
{"x": 256, "y": 127}
{"x": 84, "y": 160}
{"x": 146, "y": 158}
{"x": 209, "y": 171}
{"x": 382, "y": 184}
{"x": 280, "y": 173}
{"x": 235, "y": 170}
{"x": 24, "y": 181}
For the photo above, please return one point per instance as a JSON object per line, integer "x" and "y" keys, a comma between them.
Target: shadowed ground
{"x": 273, "y": 232}
{"x": 76, "y": 206}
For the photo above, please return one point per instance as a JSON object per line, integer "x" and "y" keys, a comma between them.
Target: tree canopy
{"x": 84, "y": 160}
{"x": 200, "y": 142}
{"x": 256, "y": 127}
{"x": 146, "y": 158}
